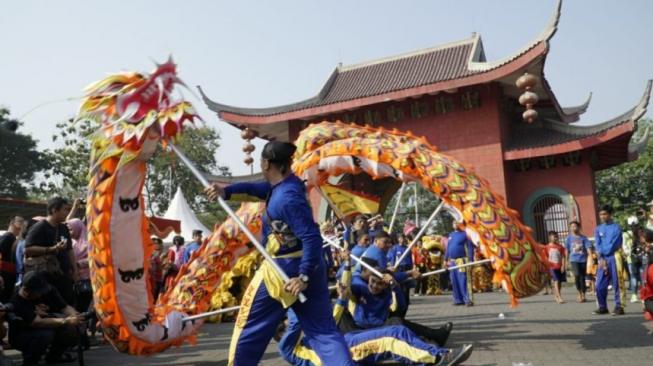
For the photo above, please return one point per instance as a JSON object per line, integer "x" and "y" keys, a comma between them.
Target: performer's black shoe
{"x": 618, "y": 311}
{"x": 600, "y": 312}
{"x": 456, "y": 356}
{"x": 469, "y": 304}
{"x": 441, "y": 335}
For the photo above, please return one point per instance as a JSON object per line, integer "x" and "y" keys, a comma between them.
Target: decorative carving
{"x": 470, "y": 100}
{"x": 395, "y": 113}
{"x": 443, "y": 105}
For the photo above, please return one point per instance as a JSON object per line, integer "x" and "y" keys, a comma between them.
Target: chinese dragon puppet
{"x": 136, "y": 113}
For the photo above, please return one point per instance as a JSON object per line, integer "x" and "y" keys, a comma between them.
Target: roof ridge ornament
{"x": 578, "y": 109}
{"x": 544, "y": 36}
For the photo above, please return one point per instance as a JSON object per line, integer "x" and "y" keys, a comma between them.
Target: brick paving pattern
{"x": 538, "y": 331}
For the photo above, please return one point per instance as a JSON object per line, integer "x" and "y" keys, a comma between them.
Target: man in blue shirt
{"x": 355, "y": 230}
{"x": 578, "y": 247}
{"x": 394, "y": 254}
{"x": 375, "y": 303}
{"x": 361, "y": 246}
{"x": 608, "y": 238}
{"x": 460, "y": 250}
{"x": 397, "y": 251}
{"x": 294, "y": 240}
{"x": 378, "y": 251}
{"x": 192, "y": 246}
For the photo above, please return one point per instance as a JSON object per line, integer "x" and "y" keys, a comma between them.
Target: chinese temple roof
{"x": 426, "y": 71}
{"x": 551, "y": 137}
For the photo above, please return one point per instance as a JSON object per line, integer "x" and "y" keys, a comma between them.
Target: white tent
{"x": 180, "y": 210}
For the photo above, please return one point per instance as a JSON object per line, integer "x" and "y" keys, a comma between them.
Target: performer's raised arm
{"x": 240, "y": 191}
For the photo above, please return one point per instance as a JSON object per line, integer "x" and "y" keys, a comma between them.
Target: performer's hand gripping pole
{"x": 235, "y": 217}
{"x": 355, "y": 258}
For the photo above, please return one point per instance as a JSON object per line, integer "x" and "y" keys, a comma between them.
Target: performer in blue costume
{"x": 374, "y": 304}
{"x": 460, "y": 250}
{"x": 394, "y": 254}
{"x": 372, "y": 347}
{"x": 608, "y": 239}
{"x": 293, "y": 239}
{"x": 368, "y": 347}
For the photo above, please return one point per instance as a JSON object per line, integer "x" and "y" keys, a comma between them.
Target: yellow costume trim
{"x": 274, "y": 284}
{"x": 622, "y": 276}
{"x": 306, "y": 353}
{"x": 460, "y": 262}
{"x": 243, "y": 314}
{"x": 391, "y": 344}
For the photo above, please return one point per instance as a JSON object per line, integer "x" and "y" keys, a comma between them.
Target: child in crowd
{"x": 557, "y": 261}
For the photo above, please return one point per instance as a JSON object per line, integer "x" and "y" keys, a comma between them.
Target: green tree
{"x": 426, "y": 204}
{"x": 166, "y": 173}
{"x": 70, "y": 163}
{"x": 628, "y": 187}
{"x": 20, "y": 161}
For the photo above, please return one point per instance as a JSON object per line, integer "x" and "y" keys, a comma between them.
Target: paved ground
{"x": 539, "y": 331}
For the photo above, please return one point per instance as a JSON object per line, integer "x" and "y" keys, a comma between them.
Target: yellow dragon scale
{"x": 327, "y": 148}
{"x": 136, "y": 113}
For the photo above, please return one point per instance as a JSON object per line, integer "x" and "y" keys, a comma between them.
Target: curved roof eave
{"x": 588, "y": 135}
{"x": 546, "y": 34}
{"x": 475, "y": 64}
{"x": 219, "y": 107}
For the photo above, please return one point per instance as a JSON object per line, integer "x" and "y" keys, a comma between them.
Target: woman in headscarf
{"x": 83, "y": 289}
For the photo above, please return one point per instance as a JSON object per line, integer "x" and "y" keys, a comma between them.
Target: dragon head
{"x": 135, "y": 111}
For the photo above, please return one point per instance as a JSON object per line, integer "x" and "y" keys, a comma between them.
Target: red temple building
{"x": 469, "y": 108}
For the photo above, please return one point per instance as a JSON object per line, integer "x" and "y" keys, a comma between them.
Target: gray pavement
{"x": 538, "y": 331}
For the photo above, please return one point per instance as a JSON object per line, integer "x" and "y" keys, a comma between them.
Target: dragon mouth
{"x": 129, "y": 105}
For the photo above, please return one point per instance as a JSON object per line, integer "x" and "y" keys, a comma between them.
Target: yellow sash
{"x": 273, "y": 282}
{"x": 460, "y": 262}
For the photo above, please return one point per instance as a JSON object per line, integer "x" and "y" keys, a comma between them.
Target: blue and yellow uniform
{"x": 358, "y": 250}
{"x": 395, "y": 253}
{"x": 369, "y": 310}
{"x": 368, "y": 347}
{"x": 608, "y": 239}
{"x": 265, "y": 302}
{"x": 460, "y": 250}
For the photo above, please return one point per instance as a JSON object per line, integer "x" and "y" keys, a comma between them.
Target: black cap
{"x": 278, "y": 151}
{"x": 35, "y": 283}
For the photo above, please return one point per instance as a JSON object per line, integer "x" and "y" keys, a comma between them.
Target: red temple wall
{"x": 471, "y": 136}
{"x": 575, "y": 180}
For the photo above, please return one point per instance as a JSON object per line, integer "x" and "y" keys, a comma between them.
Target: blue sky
{"x": 265, "y": 53}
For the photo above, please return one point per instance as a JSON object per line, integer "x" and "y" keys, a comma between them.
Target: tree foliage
{"x": 166, "y": 173}
{"x": 20, "y": 161}
{"x": 426, "y": 203}
{"x": 69, "y": 164}
{"x": 628, "y": 187}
